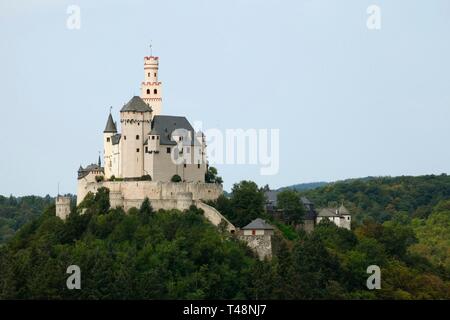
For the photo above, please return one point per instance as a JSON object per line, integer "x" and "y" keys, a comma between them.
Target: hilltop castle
{"x": 155, "y": 156}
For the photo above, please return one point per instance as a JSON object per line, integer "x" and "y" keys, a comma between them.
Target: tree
{"x": 289, "y": 201}
{"x": 247, "y": 202}
{"x": 176, "y": 178}
{"x": 146, "y": 210}
{"x": 212, "y": 177}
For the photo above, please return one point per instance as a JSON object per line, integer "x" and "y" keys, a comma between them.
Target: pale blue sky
{"x": 349, "y": 102}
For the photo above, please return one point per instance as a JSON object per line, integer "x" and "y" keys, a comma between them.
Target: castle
{"x": 155, "y": 156}
{"x": 159, "y": 157}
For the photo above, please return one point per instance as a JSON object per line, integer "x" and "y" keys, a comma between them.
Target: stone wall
{"x": 214, "y": 216}
{"x": 260, "y": 244}
{"x": 128, "y": 192}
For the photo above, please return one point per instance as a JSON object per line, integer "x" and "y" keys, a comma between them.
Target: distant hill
{"x": 383, "y": 197}
{"x": 305, "y": 186}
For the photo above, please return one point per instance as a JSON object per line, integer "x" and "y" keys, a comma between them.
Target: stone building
{"x": 62, "y": 206}
{"x": 309, "y": 219}
{"x": 258, "y": 236}
{"x": 152, "y": 145}
{"x": 340, "y": 216}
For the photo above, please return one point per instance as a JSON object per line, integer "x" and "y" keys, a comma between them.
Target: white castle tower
{"x": 151, "y": 87}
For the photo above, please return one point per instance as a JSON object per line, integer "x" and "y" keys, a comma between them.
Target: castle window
{"x": 108, "y": 139}
{"x": 185, "y": 165}
{"x": 155, "y": 74}
{"x": 253, "y": 232}
{"x": 124, "y": 137}
{"x": 153, "y": 137}
{"x": 198, "y": 165}
{"x": 155, "y": 91}
{"x": 157, "y": 137}
{"x": 137, "y": 137}
{"x": 148, "y": 91}
{"x": 148, "y": 74}
{"x": 146, "y": 149}
{"x": 137, "y": 150}
{"x": 168, "y": 150}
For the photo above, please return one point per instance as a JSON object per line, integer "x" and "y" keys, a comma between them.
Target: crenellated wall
{"x": 164, "y": 195}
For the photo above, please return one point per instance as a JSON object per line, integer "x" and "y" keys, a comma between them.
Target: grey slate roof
{"x": 327, "y": 212}
{"x": 258, "y": 224}
{"x": 343, "y": 210}
{"x": 83, "y": 172}
{"x": 271, "y": 197}
{"x": 110, "y": 125}
{"x": 165, "y": 125}
{"x": 136, "y": 104}
{"x": 115, "y": 139}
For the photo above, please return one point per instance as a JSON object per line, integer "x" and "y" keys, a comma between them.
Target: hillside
{"x": 15, "y": 212}
{"x": 384, "y": 197}
{"x": 144, "y": 254}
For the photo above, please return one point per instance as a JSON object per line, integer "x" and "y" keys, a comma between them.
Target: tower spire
{"x": 99, "y": 160}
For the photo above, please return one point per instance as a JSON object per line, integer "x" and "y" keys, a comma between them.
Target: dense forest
{"x": 400, "y": 224}
{"x": 15, "y": 212}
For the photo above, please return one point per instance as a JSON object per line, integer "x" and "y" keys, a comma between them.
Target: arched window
{"x": 155, "y": 91}
{"x": 137, "y": 137}
{"x": 148, "y": 91}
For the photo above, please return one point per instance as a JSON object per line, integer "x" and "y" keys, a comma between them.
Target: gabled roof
{"x": 110, "y": 125}
{"x": 165, "y": 125}
{"x": 136, "y": 104}
{"x": 306, "y": 201}
{"x": 258, "y": 224}
{"x": 343, "y": 210}
{"x": 327, "y": 212}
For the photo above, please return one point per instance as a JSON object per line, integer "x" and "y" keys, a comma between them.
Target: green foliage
{"x": 15, "y": 212}
{"x": 212, "y": 177}
{"x": 144, "y": 254}
{"x": 146, "y": 177}
{"x": 247, "y": 203}
{"x": 175, "y": 178}
{"x": 384, "y": 197}
{"x": 289, "y": 201}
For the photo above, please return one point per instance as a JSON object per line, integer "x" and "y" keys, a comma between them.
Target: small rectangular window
{"x": 137, "y": 150}
{"x": 168, "y": 150}
{"x": 153, "y": 137}
{"x": 108, "y": 139}
{"x": 198, "y": 165}
{"x": 146, "y": 149}
{"x": 124, "y": 137}
{"x": 137, "y": 137}
{"x": 185, "y": 165}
